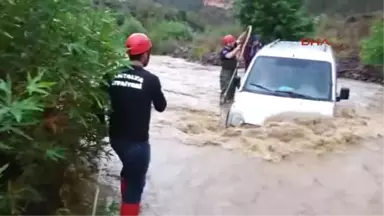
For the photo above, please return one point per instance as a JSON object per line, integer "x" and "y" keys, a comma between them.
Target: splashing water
{"x": 284, "y": 134}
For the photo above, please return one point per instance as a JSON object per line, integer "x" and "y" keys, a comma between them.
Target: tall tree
{"x": 283, "y": 19}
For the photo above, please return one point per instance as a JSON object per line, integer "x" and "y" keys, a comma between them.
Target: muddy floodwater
{"x": 292, "y": 165}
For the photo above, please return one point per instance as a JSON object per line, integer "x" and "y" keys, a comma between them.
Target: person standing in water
{"x": 228, "y": 66}
{"x": 132, "y": 93}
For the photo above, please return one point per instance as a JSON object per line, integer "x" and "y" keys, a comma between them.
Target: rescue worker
{"x": 228, "y": 66}
{"x": 251, "y": 49}
{"x": 132, "y": 92}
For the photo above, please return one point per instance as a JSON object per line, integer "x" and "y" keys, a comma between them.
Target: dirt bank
{"x": 351, "y": 68}
{"x": 185, "y": 52}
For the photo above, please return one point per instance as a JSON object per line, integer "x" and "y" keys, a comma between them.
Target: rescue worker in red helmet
{"x": 132, "y": 92}
{"x": 228, "y": 66}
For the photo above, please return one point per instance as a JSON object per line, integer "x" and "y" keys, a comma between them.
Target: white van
{"x": 286, "y": 76}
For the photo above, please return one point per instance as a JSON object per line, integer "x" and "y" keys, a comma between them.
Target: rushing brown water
{"x": 322, "y": 165}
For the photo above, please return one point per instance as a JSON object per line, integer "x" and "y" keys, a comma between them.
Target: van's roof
{"x": 294, "y": 49}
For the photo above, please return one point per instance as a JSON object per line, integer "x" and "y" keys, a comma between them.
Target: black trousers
{"x": 225, "y": 78}
{"x": 135, "y": 157}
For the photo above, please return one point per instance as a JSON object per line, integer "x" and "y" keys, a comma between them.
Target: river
{"x": 303, "y": 166}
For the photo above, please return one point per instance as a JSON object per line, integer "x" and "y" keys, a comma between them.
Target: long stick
{"x": 95, "y": 201}
{"x": 249, "y": 30}
{"x": 230, "y": 83}
{"x": 96, "y": 198}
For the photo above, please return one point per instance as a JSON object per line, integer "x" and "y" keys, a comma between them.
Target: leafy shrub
{"x": 132, "y": 25}
{"x": 197, "y": 52}
{"x": 165, "y": 35}
{"x": 195, "y": 21}
{"x": 108, "y": 209}
{"x": 275, "y": 18}
{"x": 171, "y": 30}
{"x": 53, "y": 56}
{"x": 372, "y": 48}
{"x": 165, "y": 47}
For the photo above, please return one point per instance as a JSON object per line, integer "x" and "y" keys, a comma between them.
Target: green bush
{"x": 275, "y": 18}
{"x": 165, "y": 47}
{"x": 165, "y": 35}
{"x": 132, "y": 25}
{"x": 108, "y": 209}
{"x": 53, "y": 56}
{"x": 171, "y": 30}
{"x": 195, "y": 21}
{"x": 372, "y": 48}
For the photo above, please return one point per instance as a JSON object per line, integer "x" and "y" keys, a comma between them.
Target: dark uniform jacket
{"x": 228, "y": 63}
{"x": 132, "y": 93}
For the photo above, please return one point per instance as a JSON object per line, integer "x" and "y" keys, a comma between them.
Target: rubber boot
{"x": 129, "y": 209}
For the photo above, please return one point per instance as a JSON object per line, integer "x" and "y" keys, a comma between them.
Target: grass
{"x": 108, "y": 209}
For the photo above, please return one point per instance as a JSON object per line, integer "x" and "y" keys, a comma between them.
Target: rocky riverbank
{"x": 210, "y": 58}
{"x": 351, "y": 68}
{"x": 348, "y": 67}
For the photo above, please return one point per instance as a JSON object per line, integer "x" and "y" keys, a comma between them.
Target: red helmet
{"x": 138, "y": 43}
{"x": 228, "y": 39}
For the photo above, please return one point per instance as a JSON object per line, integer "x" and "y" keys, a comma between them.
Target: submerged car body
{"x": 286, "y": 76}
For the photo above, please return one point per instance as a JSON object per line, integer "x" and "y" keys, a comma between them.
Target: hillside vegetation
{"x": 171, "y": 28}
{"x": 354, "y": 27}
{"x": 195, "y": 33}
